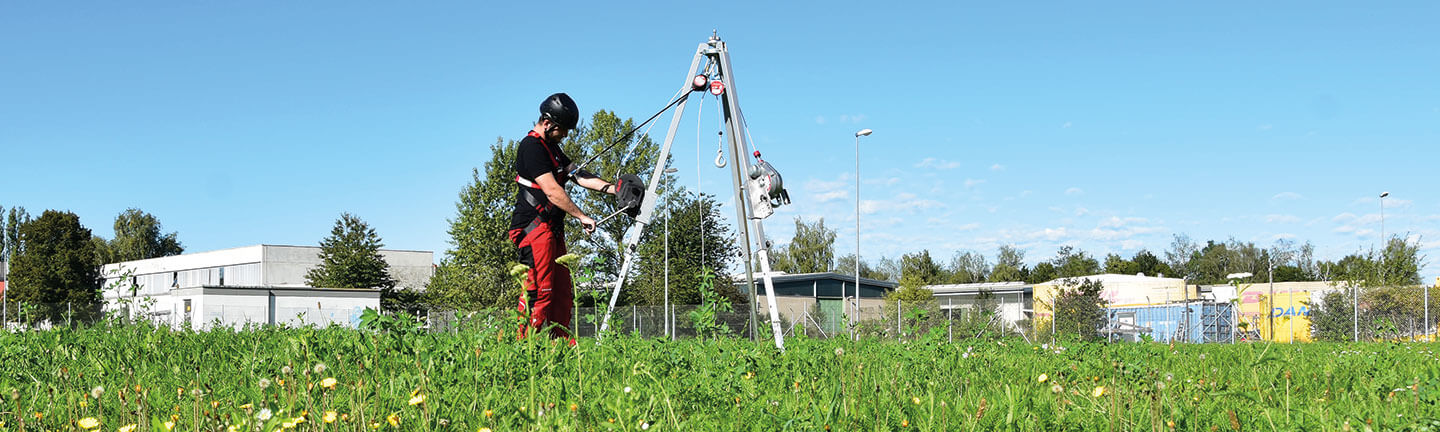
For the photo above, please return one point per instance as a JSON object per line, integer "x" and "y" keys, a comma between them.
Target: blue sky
{"x": 1105, "y": 126}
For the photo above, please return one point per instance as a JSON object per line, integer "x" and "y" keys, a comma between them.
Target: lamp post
{"x": 860, "y": 133}
{"x": 1384, "y": 242}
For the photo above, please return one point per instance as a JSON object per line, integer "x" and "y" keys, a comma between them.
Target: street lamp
{"x": 665, "y": 313}
{"x": 1384, "y": 242}
{"x": 862, "y": 132}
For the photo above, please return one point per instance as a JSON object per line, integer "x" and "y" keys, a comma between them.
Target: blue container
{"x": 1195, "y": 322}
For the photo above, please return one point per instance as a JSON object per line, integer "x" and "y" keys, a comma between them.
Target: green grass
{"x": 482, "y": 377}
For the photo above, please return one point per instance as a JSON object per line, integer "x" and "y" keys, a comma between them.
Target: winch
{"x": 767, "y": 189}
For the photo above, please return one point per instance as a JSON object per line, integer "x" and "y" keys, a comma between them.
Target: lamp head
{"x": 864, "y": 132}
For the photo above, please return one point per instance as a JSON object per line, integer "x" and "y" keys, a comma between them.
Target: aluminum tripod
{"x": 715, "y": 54}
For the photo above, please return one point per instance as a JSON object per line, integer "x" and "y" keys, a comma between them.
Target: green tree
{"x": 350, "y": 258}
{"x": 1043, "y": 272}
{"x": 1182, "y": 250}
{"x": 1151, "y": 265}
{"x": 686, "y": 212}
{"x": 967, "y": 267}
{"x": 918, "y": 269}
{"x": 1114, "y": 264}
{"x": 54, "y": 268}
{"x": 17, "y": 217}
{"x": 473, "y": 273}
{"x": 811, "y": 250}
{"x": 846, "y": 265}
{"x": 1331, "y": 318}
{"x": 1079, "y": 309}
{"x": 637, "y": 155}
{"x": 1070, "y": 262}
{"x": 138, "y": 235}
{"x": 1009, "y": 265}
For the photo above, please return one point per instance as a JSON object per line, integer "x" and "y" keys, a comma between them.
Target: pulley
{"x": 767, "y": 188}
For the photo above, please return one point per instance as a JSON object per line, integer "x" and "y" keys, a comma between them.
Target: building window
{"x": 222, "y": 276}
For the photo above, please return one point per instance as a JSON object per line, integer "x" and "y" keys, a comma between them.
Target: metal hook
{"x": 719, "y": 158}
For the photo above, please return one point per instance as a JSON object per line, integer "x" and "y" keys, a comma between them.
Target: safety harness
{"x": 532, "y": 189}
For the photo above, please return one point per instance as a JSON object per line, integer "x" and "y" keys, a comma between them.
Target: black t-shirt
{"x": 534, "y": 157}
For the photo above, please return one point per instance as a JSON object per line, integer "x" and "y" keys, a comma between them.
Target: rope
{"x": 686, "y": 95}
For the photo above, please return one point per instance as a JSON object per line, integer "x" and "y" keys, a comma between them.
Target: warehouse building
{"x": 261, "y": 284}
{"x": 822, "y": 299}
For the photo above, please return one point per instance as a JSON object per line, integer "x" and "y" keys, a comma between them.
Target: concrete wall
{"x": 236, "y": 307}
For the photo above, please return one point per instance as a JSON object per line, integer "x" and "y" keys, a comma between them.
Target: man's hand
{"x": 587, "y": 223}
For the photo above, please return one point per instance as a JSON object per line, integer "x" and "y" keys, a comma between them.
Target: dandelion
{"x": 89, "y": 423}
{"x": 1099, "y": 390}
{"x": 417, "y": 399}
{"x": 839, "y": 351}
{"x": 127, "y": 428}
{"x": 264, "y": 383}
{"x": 197, "y": 392}
{"x": 263, "y": 415}
{"x": 329, "y": 417}
{"x": 1042, "y": 378}
{"x": 246, "y": 406}
{"x": 1160, "y": 385}
{"x": 328, "y": 383}
{"x": 489, "y": 413}
{"x": 319, "y": 368}
{"x": 915, "y": 400}
{"x": 1056, "y": 388}
{"x": 170, "y": 425}
{"x": 393, "y": 419}
{"x": 97, "y": 391}
{"x": 905, "y": 423}
{"x": 574, "y": 407}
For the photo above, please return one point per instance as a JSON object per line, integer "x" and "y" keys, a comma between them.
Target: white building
{"x": 261, "y": 284}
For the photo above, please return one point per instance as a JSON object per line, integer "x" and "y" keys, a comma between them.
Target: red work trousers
{"x": 549, "y": 292}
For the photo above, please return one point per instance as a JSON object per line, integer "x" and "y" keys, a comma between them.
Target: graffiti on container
{"x": 1290, "y": 311}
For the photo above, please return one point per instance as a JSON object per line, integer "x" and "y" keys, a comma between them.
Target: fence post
{"x": 950, "y": 322}
{"x": 898, "y": 328}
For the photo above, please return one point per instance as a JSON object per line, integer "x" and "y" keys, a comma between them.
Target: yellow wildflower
{"x": 393, "y": 419}
{"x": 287, "y": 425}
{"x": 169, "y": 425}
{"x": 574, "y": 407}
{"x": 127, "y": 428}
{"x": 483, "y": 429}
{"x": 915, "y": 400}
{"x": 905, "y": 423}
{"x": 328, "y": 383}
{"x": 1099, "y": 390}
{"x": 246, "y": 406}
{"x": 489, "y": 413}
{"x": 89, "y": 423}
{"x": 1043, "y": 377}
{"x": 417, "y": 399}
{"x": 329, "y": 416}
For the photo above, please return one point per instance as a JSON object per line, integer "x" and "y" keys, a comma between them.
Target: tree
{"x": 688, "y": 253}
{"x": 1070, "y": 262}
{"x": 846, "y": 265}
{"x": 54, "y": 268}
{"x": 1079, "y": 309}
{"x": 1182, "y": 249}
{"x": 350, "y": 258}
{"x": 637, "y": 155}
{"x": 811, "y": 250}
{"x": 918, "y": 269}
{"x": 1151, "y": 265}
{"x": 1009, "y": 265}
{"x": 18, "y": 216}
{"x": 1043, "y": 272}
{"x": 1116, "y": 265}
{"x": 473, "y": 273}
{"x": 967, "y": 267}
{"x": 138, "y": 236}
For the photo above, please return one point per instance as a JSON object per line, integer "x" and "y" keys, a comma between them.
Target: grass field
{"x": 112, "y": 377}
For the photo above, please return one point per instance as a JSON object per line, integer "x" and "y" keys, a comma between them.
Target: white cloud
{"x": 997, "y": 167}
{"x": 1286, "y": 196}
{"x": 969, "y": 183}
{"x": 1081, "y": 211}
{"x": 870, "y": 206}
{"x": 1074, "y": 191}
{"x": 1117, "y": 222}
{"x": 1131, "y": 244}
{"x": 1051, "y": 234}
{"x": 889, "y": 181}
{"x": 1280, "y": 218}
{"x": 833, "y": 195}
{"x": 939, "y": 164}
{"x": 1397, "y": 203}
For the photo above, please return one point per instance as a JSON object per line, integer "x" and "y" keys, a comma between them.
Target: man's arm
{"x": 561, "y": 199}
{"x": 589, "y": 180}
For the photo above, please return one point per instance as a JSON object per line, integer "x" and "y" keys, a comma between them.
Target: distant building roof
{"x": 1112, "y": 277}
{"x": 795, "y": 277}
{"x": 979, "y": 287}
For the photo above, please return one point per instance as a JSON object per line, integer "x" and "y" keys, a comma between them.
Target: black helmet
{"x": 561, "y": 110}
